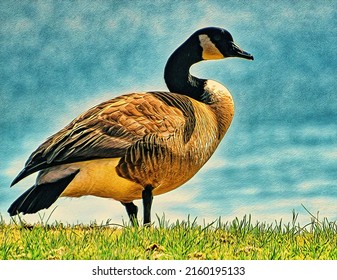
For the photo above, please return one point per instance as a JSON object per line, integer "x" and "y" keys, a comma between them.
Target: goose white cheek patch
{"x": 209, "y": 50}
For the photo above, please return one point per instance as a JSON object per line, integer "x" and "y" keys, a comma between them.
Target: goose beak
{"x": 238, "y": 52}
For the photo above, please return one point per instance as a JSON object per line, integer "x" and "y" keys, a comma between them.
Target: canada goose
{"x": 140, "y": 144}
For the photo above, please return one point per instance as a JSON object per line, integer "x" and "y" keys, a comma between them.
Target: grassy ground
{"x": 239, "y": 239}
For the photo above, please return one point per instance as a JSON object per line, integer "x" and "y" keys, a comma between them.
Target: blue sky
{"x": 60, "y": 58}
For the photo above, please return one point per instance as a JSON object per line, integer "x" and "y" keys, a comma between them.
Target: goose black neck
{"x": 177, "y": 70}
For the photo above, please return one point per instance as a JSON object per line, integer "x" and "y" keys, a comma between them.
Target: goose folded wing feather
{"x": 107, "y": 131}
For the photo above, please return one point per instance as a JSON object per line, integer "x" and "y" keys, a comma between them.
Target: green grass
{"x": 239, "y": 239}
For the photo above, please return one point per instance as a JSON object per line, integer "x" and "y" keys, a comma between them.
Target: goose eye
{"x": 217, "y": 38}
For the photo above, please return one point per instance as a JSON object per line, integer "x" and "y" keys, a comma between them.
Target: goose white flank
{"x": 142, "y": 144}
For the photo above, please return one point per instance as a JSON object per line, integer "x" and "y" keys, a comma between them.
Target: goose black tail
{"x": 40, "y": 196}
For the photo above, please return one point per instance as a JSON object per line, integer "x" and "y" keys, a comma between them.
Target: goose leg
{"x": 132, "y": 211}
{"x": 147, "y": 203}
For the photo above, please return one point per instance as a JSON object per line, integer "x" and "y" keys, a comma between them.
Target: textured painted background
{"x": 59, "y": 58}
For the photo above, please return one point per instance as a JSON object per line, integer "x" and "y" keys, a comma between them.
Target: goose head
{"x": 218, "y": 43}
{"x": 205, "y": 44}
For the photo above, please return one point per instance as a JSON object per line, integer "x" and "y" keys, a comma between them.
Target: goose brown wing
{"x": 110, "y": 128}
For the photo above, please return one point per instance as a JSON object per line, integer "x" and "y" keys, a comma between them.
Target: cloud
{"x": 270, "y": 212}
{"x": 13, "y": 167}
